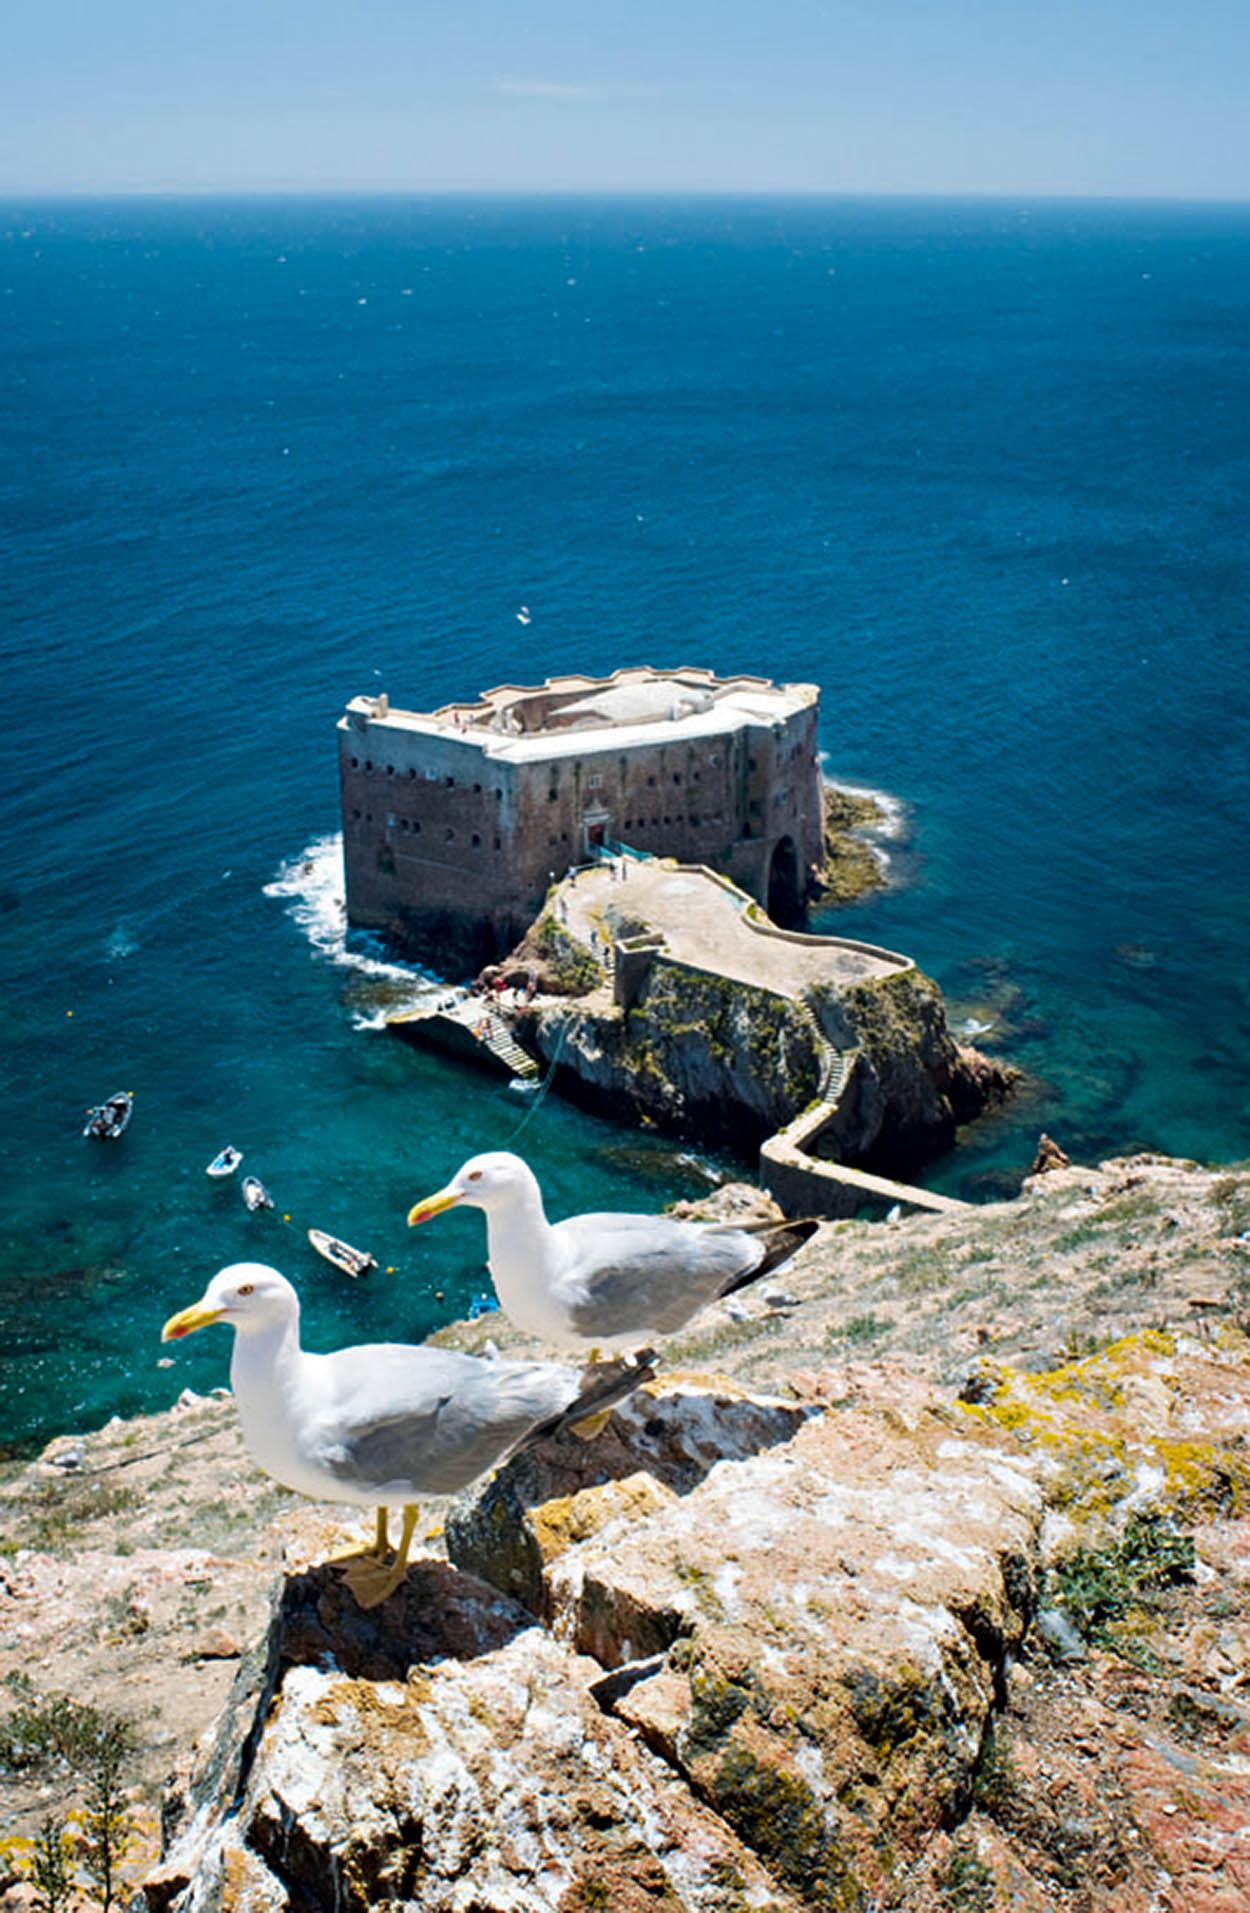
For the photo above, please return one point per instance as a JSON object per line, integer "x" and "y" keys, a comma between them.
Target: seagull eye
{"x": 475, "y": 1175}
{"x": 246, "y": 1288}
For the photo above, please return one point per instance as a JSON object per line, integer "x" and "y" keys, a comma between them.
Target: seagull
{"x": 382, "y": 1423}
{"x": 605, "y": 1281}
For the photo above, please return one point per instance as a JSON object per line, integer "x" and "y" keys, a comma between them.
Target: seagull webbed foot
{"x": 369, "y": 1576}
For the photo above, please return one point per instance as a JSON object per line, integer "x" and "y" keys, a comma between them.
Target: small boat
{"x": 351, "y": 1261}
{"x": 108, "y": 1119}
{"x": 225, "y": 1162}
{"x": 255, "y": 1193}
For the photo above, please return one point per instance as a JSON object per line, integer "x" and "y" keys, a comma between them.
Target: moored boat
{"x": 108, "y": 1119}
{"x": 225, "y": 1162}
{"x": 255, "y": 1194}
{"x": 351, "y": 1261}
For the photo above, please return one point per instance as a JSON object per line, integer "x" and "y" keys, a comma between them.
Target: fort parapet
{"x": 456, "y": 821}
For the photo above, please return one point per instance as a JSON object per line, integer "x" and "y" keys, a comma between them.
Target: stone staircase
{"x": 803, "y": 1183}
{"x": 499, "y": 1040}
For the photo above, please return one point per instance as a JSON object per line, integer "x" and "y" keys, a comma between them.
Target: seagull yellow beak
{"x": 199, "y": 1315}
{"x": 433, "y": 1206}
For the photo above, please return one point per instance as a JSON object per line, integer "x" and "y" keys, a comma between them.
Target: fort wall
{"x": 456, "y": 822}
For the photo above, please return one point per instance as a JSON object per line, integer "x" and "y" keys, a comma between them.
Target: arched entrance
{"x": 785, "y": 899}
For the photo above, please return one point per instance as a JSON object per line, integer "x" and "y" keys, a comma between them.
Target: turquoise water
{"x": 977, "y": 470}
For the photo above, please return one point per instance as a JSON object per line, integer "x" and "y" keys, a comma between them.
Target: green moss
{"x": 966, "y": 1884}
{"x": 779, "y": 1818}
{"x": 716, "y": 1702}
{"x": 892, "y": 1713}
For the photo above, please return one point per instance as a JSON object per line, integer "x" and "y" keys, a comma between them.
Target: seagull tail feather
{"x": 611, "y": 1382}
{"x": 781, "y": 1241}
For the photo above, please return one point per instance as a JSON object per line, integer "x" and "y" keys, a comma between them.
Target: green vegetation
{"x": 569, "y": 970}
{"x": 53, "y": 1516}
{"x": 860, "y": 1328}
{"x": 44, "y": 1733}
{"x": 1101, "y": 1588}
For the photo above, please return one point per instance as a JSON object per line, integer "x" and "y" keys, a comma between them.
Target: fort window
{"x": 355, "y": 763}
{"x": 476, "y": 841}
{"x": 651, "y": 781}
{"x": 596, "y": 780}
{"x": 499, "y": 843}
{"x": 450, "y": 782}
{"x": 694, "y": 820}
{"x": 552, "y": 796}
{"x": 411, "y": 771}
{"x": 390, "y": 770}
{"x": 368, "y": 763}
{"x": 416, "y": 827}
{"x": 751, "y": 764}
{"x": 755, "y": 807}
{"x": 477, "y": 790}
{"x": 677, "y": 777}
{"x": 356, "y": 816}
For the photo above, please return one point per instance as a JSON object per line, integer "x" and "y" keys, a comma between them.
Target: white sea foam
{"x": 313, "y": 888}
{"x": 892, "y": 822}
{"x": 122, "y": 943}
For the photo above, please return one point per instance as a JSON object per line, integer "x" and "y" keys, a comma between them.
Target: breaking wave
{"x": 312, "y": 886}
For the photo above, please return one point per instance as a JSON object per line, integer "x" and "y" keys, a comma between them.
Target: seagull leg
{"x": 370, "y": 1579}
{"x": 375, "y": 1550}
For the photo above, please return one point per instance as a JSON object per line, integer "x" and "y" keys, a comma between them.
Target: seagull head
{"x": 489, "y": 1182}
{"x": 247, "y": 1295}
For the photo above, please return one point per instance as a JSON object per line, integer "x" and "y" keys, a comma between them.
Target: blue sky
{"x": 832, "y": 96}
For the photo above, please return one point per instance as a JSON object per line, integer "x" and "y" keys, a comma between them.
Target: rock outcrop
{"x": 912, "y": 1085}
{"x": 963, "y": 1626}
{"x": 730, "y": 1064}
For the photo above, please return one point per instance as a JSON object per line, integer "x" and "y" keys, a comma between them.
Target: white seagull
{"x": 604, "y": 1281}
{"x": 380, "y": 1424}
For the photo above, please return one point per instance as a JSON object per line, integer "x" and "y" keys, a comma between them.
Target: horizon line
{"x": 989, "y": 196}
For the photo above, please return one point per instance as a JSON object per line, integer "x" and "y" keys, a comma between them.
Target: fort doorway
{"x": 595, "y": 824}
{"x": 785, "y": 900}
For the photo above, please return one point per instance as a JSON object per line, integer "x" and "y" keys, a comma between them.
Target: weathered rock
{"x": 1049, "y": 1156}
{"x": 912, "y": 1085}
{"x": 657, "y": 1445}
{"x": 478, "y": 1773}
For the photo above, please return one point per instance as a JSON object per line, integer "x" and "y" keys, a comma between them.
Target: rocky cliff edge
{"x": 921, "y": 1582}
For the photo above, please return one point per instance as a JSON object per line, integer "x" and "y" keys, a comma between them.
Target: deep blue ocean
{"x": 980, "y": 470}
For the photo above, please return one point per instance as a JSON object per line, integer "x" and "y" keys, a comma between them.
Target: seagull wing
{"x": 429, "y": 1421}
{"x": 626, "y": 1274}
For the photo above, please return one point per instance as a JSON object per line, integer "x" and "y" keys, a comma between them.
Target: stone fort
{"x": 456, "y": 821}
